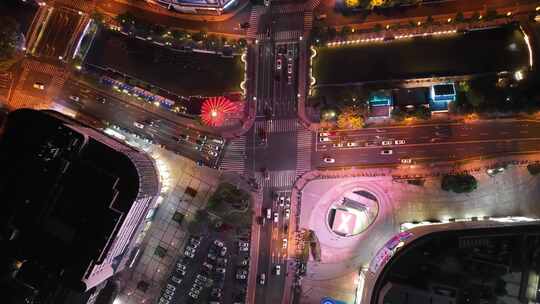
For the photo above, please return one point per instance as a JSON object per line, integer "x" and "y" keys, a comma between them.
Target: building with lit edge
{"x": 73, "y": 201}
{"x": 203, "y": 7}
{"x": 508, "y": 245}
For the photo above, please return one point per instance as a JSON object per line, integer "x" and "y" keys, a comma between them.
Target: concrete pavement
{"x": 510, "y": 193}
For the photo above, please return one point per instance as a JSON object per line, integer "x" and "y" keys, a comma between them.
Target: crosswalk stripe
{"x": 234, "y": 156}
{"x": 256, "y": 12}
{"x": 304, "y": 141}
{"x": 277, "y": 126}
{"x": 278, "y": 179}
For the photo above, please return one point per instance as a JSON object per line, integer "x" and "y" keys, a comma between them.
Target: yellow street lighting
{"x": 419, "y": 23}
{"x": 449, "y": 20}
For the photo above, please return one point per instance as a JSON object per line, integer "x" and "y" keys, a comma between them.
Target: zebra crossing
{"x": 278, "y": 179}
{"x": 234, "y": 156}
{"x": 5, "y": 80}
{"x": 308, "y": 21}
{"x": 287, "y": 8}
{"x": 256, "y": 12}
{"x": 304, "y": 140}
{"x": 277, "y": 126}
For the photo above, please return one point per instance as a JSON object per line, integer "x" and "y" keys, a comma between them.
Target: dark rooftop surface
{"x": 58, "y": 188}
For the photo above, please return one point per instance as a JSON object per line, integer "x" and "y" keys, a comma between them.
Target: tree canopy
{"x": 8, "y": 37}
{"x": 459, "y": 183}
{"x": 350, "y": 118}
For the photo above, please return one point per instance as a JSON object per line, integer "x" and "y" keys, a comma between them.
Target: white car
{"x": 323, "y": 139}
{"x": 386, "y": 142}
{"x": 278, "y": 64}
{"x": 281, "y": 201}
{"x": 287, "y": 213}
{"x": 285, "y": 243}
{"x": 39, "y": 86}
{"x": 193, "y": 295}
{"x": 276, "y": 217}
{"x": 219, "y": 243}
{"x": 324, "y": 134}
{"x": 406, "y": 161}
{"x": 268, "y": 213}
{"x": 399, "y": 141}
{"x": 176, "y": 279}
{"x": 212, "y": 153}
{"x": 338, "y": 145}
{"x": 278, "y": 269}
{"x": 352, "y": 144}
{"x": 189, "y": 254}
{"x": 74, "y": 98}
{"x": 180, "y": 266}
{"x": 221, "y": 270}
{"x": 138, "y": 125}
{"x": 387, "y": 152}
{"x": 289, "y": 68}
{"x": 262, "y": 279}
{"x": 329, "y": 160}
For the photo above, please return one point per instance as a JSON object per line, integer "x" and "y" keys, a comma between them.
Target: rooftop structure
{"x": 73, "y": 199}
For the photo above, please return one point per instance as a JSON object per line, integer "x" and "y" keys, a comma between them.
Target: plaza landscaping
{"x": 185, "y": 73}
{"x": 474, "y": 52}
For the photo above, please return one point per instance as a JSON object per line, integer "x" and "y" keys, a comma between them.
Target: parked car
{"x": 399, "y": 141}
{"x": 386, "y": 152}
{"x": 176, "y": 279}
{"x": 278, "y": 64}
{"x": 406, "y": 161}
{"x": 386, "y": 142}
{"x": 276, "y": 217}
{"x": 39, "y": 86}
{"x": 329, "y": 160}
{"x": 193, "y": 295}
{"x": 287, "y": 213}
{"x": 277, "y": 270}
{"x": 262, "y": 279}
{"x": 189, "y": 254}
{"x": 218, "y": 243}
{"x": 285, "y": 241}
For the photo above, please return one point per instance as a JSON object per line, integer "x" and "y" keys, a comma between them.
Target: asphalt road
{"x": 156, "y": 127}
{"x": 428, "y": 143}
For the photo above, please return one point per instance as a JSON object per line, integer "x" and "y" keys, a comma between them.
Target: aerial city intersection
{"x": 275, "y": 151}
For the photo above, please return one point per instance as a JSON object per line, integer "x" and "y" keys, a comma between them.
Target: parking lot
{"x": 213, "y": 268}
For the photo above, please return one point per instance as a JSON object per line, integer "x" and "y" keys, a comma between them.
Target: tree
{"x": 350, "y": 118}
{"x": 8, "y": 37}
{"x": 345, "y": 32}
{"x": 126, "y": 18}
{"x": 491, "y": 14}
{"x": 459, "y": 17}
{"x": 98, "y": 17}
{"x": 158, "y": 29}
{"x": 422, "y": 113}
{"x": 398, "y": 114}
{"x": 179, "y": 34}
{"x": 352, "y": 3}
{"x": 242, "y": 43}
{"x": 378, "y": 27}
{"x": 533, "y": 169}
{"x": 459, "y": 183}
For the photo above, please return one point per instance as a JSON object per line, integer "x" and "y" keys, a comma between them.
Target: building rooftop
{"x": 65, "y": 195}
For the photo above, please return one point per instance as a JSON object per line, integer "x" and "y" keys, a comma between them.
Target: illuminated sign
{"x": 344, "y": 222}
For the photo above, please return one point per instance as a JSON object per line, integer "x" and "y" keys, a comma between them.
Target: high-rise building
{"x": 72, "y": 200}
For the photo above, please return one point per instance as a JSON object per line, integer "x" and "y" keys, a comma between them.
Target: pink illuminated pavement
{"x": 511, "y": 193}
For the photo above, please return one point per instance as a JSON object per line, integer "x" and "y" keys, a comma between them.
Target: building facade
{"x": 74, "y": 200}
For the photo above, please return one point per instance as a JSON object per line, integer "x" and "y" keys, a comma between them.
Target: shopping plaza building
{"x": 73, "y": 201}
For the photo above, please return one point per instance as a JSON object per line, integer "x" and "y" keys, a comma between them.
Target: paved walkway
{"x": 512, "y": 192}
